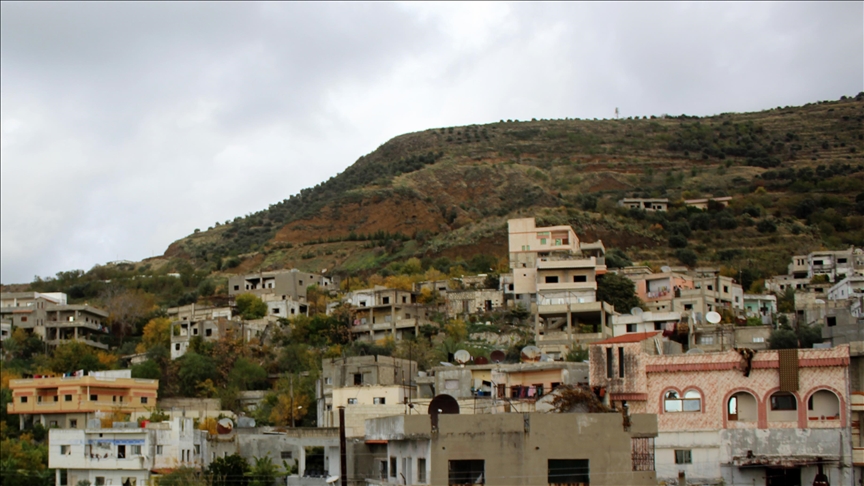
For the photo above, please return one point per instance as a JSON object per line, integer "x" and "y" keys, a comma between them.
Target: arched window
{"x": 742, "y": 407}
{"x": 823, "y": 405}
{"x": 690, "y": 402}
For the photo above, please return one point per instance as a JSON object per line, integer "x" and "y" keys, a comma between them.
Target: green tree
{"x": 803, "y": 337}
{"x": 194, "y": 370}
{"x": 246, "y": 375}
{"x": 228, "y": 471}
{"x": 687, "y": 257}
{"x": 618, "y": 291}
{"x": 147, "y": 370}
{"x": 250, "y": 306}
{"x": 74, "y": 356}
{"x": 184, "y": 476}
{"x": 263, "y": 473}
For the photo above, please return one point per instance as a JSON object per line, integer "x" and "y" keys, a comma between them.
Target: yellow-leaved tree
{"x": 156, "y": 331}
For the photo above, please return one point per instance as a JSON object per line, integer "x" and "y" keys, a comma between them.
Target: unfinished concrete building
{"x": 380, "y": 312}
{"x": 49, "y": 316}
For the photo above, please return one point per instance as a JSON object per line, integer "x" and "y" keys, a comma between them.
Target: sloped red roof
{"x": 629, "y": 338}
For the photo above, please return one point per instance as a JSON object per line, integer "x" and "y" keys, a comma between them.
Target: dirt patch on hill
{"x": 394, "y": 214}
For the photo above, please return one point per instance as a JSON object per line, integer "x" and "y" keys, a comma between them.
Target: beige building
{"x": 560, "y": 274}
{"x": 287, "y": 284}
{"x": 368, "y": 386}
{"x": 50, "y": 317}
{"x": 70, "y": 401}
{"x": 380, "y": 312}
{"x": 647, "y": 204}
{"x": 515, "y": 449}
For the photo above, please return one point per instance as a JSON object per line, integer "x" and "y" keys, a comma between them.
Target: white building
{"x": 125, "y": 455}
{"x": 644, "y": 322}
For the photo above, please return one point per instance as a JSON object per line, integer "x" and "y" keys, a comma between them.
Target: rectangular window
{"x": 382, "y": 470}
{"x": 177, "y": 347}
{"x": 358, "y": 379}
{"x": 392, "y": 467}
{"x": 56, "y": 398}
{"x": 610, "y": 370}
{"x": 67, "y": 398}
{"x": 100, "y": 481}
{"x": 328, "y": 381}
{"x": 620, "y": 362}
{"x": 568, "y": 471}
{"x": 421, "y": 470}
{"x": 688, "y": 306}
{"x": 143, "y": 399}
{"x": 642, "y": 453}
{"x": 385, "y": 300}
{"x": 378, "y": 401}
{"x": 136, "y": 450}
{"x": 129, "y": 481}
{"x": 631, "y": 327}
{"x": 683, "y": 456}
{"x": 580, "y": 278}
{"x": 65, "y": 450}
{"x": 552, "y": 279}
{"x": 783, "y": 402}
{"x": 542, "y": 241}
{"x": 470, "y": 471}
{"x": 658, "y": 326}
{"x": 52, "y": 423}
{"x": 841, "y": 260}
{"x": 159, "y": 449}
{"x": 831, "y": 321}
{"x": 287, "y": 455}
{"x": 73, "y": 424}
{"x": 352, "y": 401}
{"x": 726, "y": 289}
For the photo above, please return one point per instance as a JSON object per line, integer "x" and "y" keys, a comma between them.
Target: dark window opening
{"x": 832, "y": 321}
{"x": 620, "y": 362}
{"x": 358, "y": 379}
{"x": 580, "y": 278}
{"x": 465, "y": 472}
{"x": 385, "y": 300}
{"x": 121, "y": 452}
{"x": 610, "y": 370}
{"x": 658, "y": 326}
{"x": 631, "y": 327}
{"x": 683, "y": 456}
{"x": 392, "y": 467}
{"x": 783, "y": 401}
{"x": 552, "y": 279}
{"x": 571, "y": 472}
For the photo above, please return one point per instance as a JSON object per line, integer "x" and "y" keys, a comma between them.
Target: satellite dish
{"x": 498, "y": 356}
{"x": 462, "y": 356}
{"x": 332, "y": 479}
{"x": 665, "y": 269}
{"x": 224, "y": 426}
{"x": 636, "y": 311}
{"x": 713, "y": 317}
{"x": 531, "y": 354}
{"x": 481, "y": 360}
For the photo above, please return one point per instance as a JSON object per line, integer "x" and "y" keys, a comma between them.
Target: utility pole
{"x": 343, "y": 457}
{"x": 292, "y": 400}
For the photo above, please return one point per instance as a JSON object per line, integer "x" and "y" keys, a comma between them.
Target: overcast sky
{"x": 125, "y": 126}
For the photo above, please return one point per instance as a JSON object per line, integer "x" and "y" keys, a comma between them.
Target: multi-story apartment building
{"x": 833, "y": 265}
{"x": 551, "y": 265}
{"x": 381, "y": 312}
{"x": 50, "y": 317}
{"x": 125, "y": 454}
{"x": 850, "y": 291}
{"x": 368, "y": 386}
{"x": 70, "y": 401}
{"x": 734, "y": 417}
{"x": 287, "y": 284}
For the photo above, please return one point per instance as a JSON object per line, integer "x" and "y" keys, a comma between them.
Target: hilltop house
{"x": 50, "y": 317}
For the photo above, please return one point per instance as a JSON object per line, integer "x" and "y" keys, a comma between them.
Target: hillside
{"x": 449, "y": 191}
{"x": 796, "y": 175}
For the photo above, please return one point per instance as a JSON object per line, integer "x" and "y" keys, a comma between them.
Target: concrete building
{"x": 382, "y": 312}
{"x": 70, "y": 401}
{"x": 835, "y": 265}
{"x": 515, "y": 449}
{"x": 763, "y": 306}
{"x": 287, "y": 284}
{"x": 647, "y": 204}
{"x": 850, "y": 290}
{"x": 512, "y": 383}
{"x": 702, "y": 203}
{"x": 462, "y": 303}
{"x": 125, "y": 454}
{"x": 368, "y": 386}
{"x": 644, "y": 322}
{"x": 734, "y": 417}
{"x": 658, "y": 290}
{"x": 50, "y": 317}
{"x": 550, "y": 264}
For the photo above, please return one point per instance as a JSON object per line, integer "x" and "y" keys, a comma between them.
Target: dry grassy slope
{"x": 487, "y": 173}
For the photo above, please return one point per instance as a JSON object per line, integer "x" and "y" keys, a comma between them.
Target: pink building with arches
{"x": 737, "y": 417}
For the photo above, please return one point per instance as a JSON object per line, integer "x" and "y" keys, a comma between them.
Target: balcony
{"x": 568, "y": 263}
{"x": 566, "y": 286}
{"x": 73, "y": 324}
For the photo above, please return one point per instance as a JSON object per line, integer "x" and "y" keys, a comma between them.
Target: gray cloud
{"x": 127, "y": 125}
